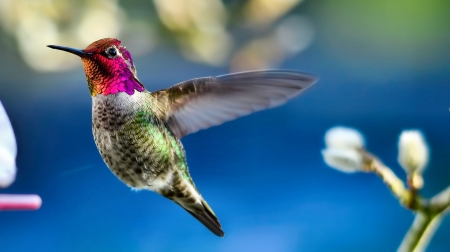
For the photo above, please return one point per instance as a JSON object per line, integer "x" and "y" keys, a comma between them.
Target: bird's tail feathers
{"x": 187, "y": 196}
{"x": 208, "y": 219}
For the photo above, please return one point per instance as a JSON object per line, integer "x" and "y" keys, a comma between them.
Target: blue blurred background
{"x": 384, "y": 66}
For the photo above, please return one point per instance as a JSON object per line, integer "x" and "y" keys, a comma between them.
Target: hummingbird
{"x": 138, "y": 132}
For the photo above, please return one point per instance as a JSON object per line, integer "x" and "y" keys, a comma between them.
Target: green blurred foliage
{"x": 410, "y": 32}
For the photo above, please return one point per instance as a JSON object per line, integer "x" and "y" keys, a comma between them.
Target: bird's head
{"x": 108, "y": 66}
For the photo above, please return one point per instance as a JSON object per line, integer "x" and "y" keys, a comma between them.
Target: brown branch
{"x": 396, "y": 186}
{"x": 429, "y": 213}
{"x": 441, "y": 201}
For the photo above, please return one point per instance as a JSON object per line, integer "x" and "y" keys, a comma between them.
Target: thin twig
{"x": 415, "y": 232}
{"x": 429, "y": 213}
{"x": 441, "y": 201}
{"x": 396, "y": 185}
{"x": 429, "y": 232}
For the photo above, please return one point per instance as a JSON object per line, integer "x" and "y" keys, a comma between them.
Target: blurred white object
{"x": 412, "y": 151}
{"x": 343, "y": 149}
{"x": 8, "y": 150}
{"x": 8, "y": 153}
{"x": 345, "y": 160}
{"x": 20, "y": 202}
{"x": 344, "y": 138}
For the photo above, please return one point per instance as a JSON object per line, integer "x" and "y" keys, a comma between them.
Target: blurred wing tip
{"x": 304, "y": 79}
{"x": 300, "y": 76}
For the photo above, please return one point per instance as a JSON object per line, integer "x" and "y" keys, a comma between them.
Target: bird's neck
{"x": 113, "y": 85}
{"x": 109, "y": 78}
{"x": 120, "y": 103}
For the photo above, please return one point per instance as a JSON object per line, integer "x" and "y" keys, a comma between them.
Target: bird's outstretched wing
{"x": 204, "y": 102}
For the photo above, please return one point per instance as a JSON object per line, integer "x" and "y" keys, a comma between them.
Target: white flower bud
{"x": 412, "y": 151}
{"x": 345, "y": 160}
{"x": 344, "y": 138}
{"x": 343, "y": 149}
{"x": 417, "y": 181}
{"x": 8, "y": 150}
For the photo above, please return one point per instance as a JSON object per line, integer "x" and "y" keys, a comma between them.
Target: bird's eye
{"x": 112, "y": 52}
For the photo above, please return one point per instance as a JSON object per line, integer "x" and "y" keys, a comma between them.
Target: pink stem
{"x": 20, "y": 202}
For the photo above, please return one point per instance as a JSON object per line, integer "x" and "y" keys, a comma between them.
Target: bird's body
{"x": 138, "y": 132}
{"x": 139, "y": 148}
{"x": 133, "y": 140}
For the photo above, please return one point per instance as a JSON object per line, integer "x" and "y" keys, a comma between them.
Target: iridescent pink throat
{"x": 111, "y": 76}
{"x": 121, "y": 84}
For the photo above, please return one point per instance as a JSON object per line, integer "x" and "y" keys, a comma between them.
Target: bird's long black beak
{"x": 75, "y": 51}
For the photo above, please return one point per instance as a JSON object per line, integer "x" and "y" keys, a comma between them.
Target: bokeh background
{"x": 383, "y": 65}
